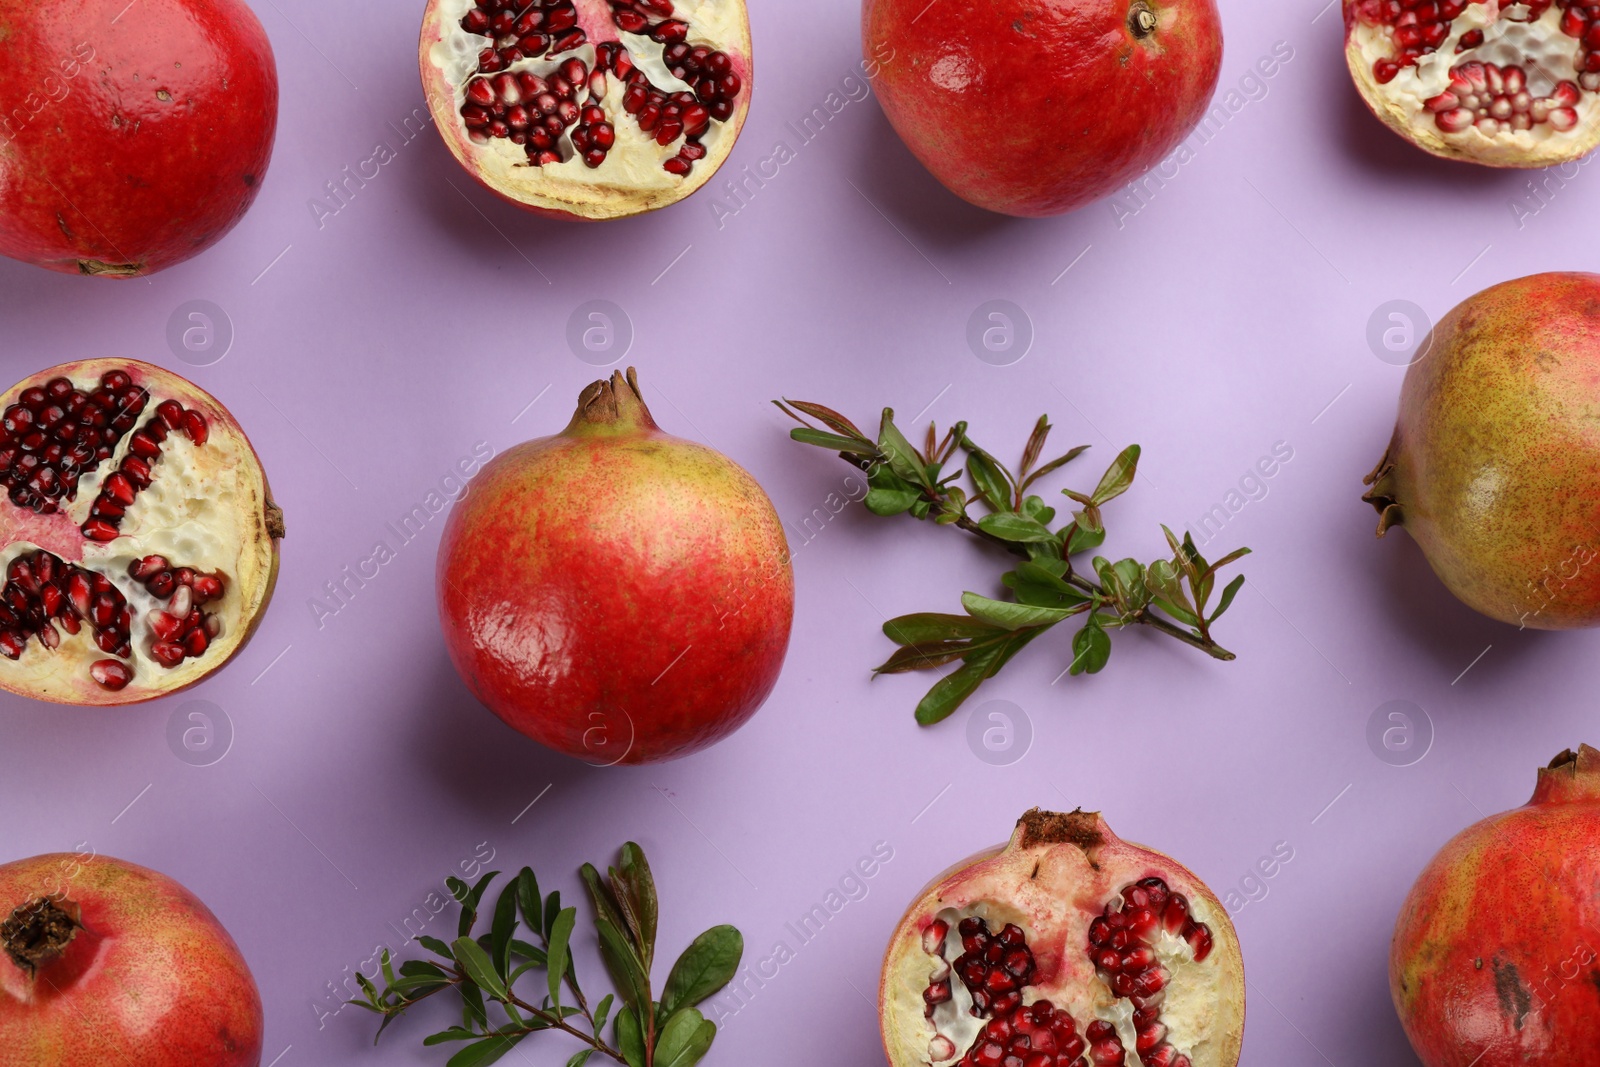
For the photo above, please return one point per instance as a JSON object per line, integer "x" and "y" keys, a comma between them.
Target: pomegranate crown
{"x": 612, "y": 406}
{"x": 37, "y": 932}
{"x": 1571, "y": 776}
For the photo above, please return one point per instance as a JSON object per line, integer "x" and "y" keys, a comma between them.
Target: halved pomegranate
{"x": 1066, "y": 947}
{"x": 1498, "y": 83}
{"x": 590, "y": 109}
{"x": 139, "y": 540}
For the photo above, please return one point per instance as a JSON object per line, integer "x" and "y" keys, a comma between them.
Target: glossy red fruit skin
{"x": 130, "y": 143}
{"x": 152, "y": 980}
{"x": 616, "y": 593}
{"x": 1037, "y": 107}
{"x": 1494, "y": 955}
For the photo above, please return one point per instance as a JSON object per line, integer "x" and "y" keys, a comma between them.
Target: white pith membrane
{"x": 1050, "y": 894}
{"x": 636, "y": 172}
{"x": 1506, "y": 84}
{"x": 205, "y": 511}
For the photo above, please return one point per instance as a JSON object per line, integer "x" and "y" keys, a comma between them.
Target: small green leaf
{"x": 505, "y": 923}
{"x": 630, "y": 1037}
{"x": 528, "y": 951}
{"x": 949, "y": 692}
{"x": 552, "y": 908}
{"x": 1009, "y": 526}
{"x": 469, "y": 903}
{"x": 602, "y": 1013}
{"x": 600, "y": 895}
{"x": 635, "y": 887}
{"x": 1037, "y": 510}
{"x": 1035, "y": 445}
{"x": 455, "y": 1033}
{"x": 484, "y": 1052}
{"x": 833, "y": 442}
{"x": 1227, "y": 598}
{"x": 901, "y": 456}
{"x": 1054, "y": 465}
{"x": 991, "y": 480}
{"x": 472, "y": 1010}
{"x": 706, "y": 966}
{"x": 930, "y": 626}
{"x": 1084, "y": 538}
{"x": 685, "y": 1039}
{"x": 529, "y": 900}
{"x": 581, "y": 1058}
{"x": 622, "y": 960}
{"x": 1232, "y": 557}
{"x": 1009, "y": 616}
{"x": 828, "y": 417}
{"x": 560, "y": 937}
{"x": 932, "y": 655}
{"x": 889, "y": 502}
{"x": 1091, "y": 648}
{"x": 1119, "y": 476}
{"x": 435, "y": 946}
{"x": 475, "y": 963}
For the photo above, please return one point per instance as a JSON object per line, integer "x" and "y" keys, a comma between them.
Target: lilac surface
{"x": 1226, "y": 313}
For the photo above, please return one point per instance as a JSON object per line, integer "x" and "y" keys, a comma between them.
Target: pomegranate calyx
{"x": 613, "y": 406}
{"x": 1382, "y": 494}
{"x": 37, "y": 932}
{"x": 1571, "y": 777}
{"x": 1085, "y": 829}
{"x": 1141, "y": 19}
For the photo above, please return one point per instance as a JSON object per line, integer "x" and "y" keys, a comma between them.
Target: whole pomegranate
{"x": 1036, "y": 107}
{"x": 1494, "y": 466}
{"x": 138, "y": 537}
{"x": 1067, "y": 947}
{"x": 1489, "y": 81}
{"x": 1494, "y": 953}
{"x": 108, "y": 964}
{"x": 616, "y": 593}
{"x": 578, "y": 109}
{"x": 135, "y": 135}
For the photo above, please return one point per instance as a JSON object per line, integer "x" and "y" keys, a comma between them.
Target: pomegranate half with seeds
{"x": 1067, "y": 947}
{"x": 104, "y": 963}
{"x": 1489, "y": 81}
{"x": 1036, "y": 107}
{"x": 616, "y": 593}
{"x": 1494, "y": 955}
{"x": 138, "y": 539}
{"x": 588, "y": 109}
{"x": 132, "y": 135}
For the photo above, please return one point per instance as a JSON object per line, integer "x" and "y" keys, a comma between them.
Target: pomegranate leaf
{"x": 925, "y": 657}
{"x": 1020, "y": 529}
{"x": 505, "y": 921}
{"x": 560, "y": 936}
{"x": 1053, "y": 466}
{"x": 933, "y": 627}
{"x": 1119, "y": 477}
{"x": 477, "y": 965}
{"x": 529, "y": 900}
{"x": 622, "y": 960}
{"x": 1091, "y": 648}
{"x": 899, "y": 454}
{"x": 706, "y": 966}
{"x": 994, "y": 483}
{"x": 600, "y": 895}
{"x": 469, "y": 899}
{"x": 1011, "y": 616}
{"x": 635, "y": 888}
{"x": 630, "y": 1038}
{"x": 807, "y": 436}
{"x": 581, "y": 1058}
{"x": 825, "y": 415}
{"x": 1035, "y": 445}
{"x": 434, "y": 945}
{"x": 685, "y": 1039}
{"x": 484, "y": 1052}
{"x": 1227, "y": 598}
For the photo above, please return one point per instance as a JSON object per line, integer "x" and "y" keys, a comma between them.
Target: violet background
{"x": 1226, "y": 314}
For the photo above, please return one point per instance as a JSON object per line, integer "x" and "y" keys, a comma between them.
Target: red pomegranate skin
{"x": 151, "y": 980}
{"x": 130, "y": 143}
{"x": 1036, "y": 107}
{"x": 616, "y": 593}
{"x": 1494, "y": 958}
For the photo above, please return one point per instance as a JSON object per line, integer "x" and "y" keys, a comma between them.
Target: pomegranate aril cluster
{"x": 121, "y": 486}
{"x": 43, "y": 591}
{"x": 1033, "y": 1036}
{"x": 1122, "y": 946}
{"x": 535, "y": 111}
{"x": 1496, "y": 99}
{"x": 522, "y": 29}
{"x": 55, "y": 434}
{"x": 1420, "y": 27}
{"x": 181, "y": 630}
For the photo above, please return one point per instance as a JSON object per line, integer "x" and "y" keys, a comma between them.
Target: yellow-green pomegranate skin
{"x": 1494, "y": 467}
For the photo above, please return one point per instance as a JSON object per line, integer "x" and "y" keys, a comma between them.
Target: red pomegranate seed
{"x": 161, "y": 584}
{"x": 207, "y": 587}
{"x": 182, "y": 601}
{"x": 109, "y": 673}
{"x": 99, "y": 530}
{"x": 195, "y": 641}
{"x": 165, "y": 626}
{"x": 194, "y": 424}
{"x": 167, "y": 653}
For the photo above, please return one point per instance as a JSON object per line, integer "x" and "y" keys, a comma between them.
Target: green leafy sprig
{"x": 485, "y": 969}
{"x": 1173, "y": 596}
